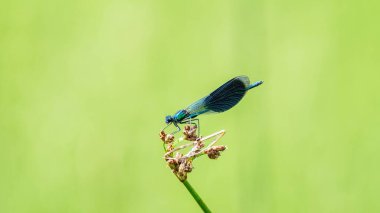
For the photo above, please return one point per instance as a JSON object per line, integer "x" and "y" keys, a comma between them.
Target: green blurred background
{"x": 85, "y": 86}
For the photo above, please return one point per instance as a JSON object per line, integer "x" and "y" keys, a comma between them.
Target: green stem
{"x": 196, "y": 196}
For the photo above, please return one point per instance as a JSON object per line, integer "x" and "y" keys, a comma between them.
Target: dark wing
{"x": 227, "y": 95}
{"x": 222, "y": 99}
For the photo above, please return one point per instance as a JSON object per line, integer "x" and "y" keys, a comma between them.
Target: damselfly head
{"x": 168, "y": 119}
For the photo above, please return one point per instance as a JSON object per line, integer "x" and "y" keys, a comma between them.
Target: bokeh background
{"x": 85, "y": 86}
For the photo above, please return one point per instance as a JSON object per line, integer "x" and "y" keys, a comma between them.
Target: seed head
{"x": 190, "y": 132}
{"x": 214, "y": 151}
{"x": 182, "y": 164}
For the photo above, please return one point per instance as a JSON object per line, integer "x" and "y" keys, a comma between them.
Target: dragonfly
{"x": 222, "y": 99}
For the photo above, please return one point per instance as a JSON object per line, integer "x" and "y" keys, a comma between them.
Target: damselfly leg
{"x": 176, "y": 125}
{"x": 178, "y": 128}
{"x": 188, "y": 121}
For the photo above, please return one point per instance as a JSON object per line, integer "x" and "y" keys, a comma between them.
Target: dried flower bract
{"x": 181, "y": 164}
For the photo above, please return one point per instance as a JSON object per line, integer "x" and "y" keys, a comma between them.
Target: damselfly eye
{"x": 168, "y": 119}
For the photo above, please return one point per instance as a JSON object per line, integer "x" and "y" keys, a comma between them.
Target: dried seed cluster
{"x": 181, "y": 164}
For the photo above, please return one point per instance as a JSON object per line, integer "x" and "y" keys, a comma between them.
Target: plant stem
{"x": 196, "y": 196}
